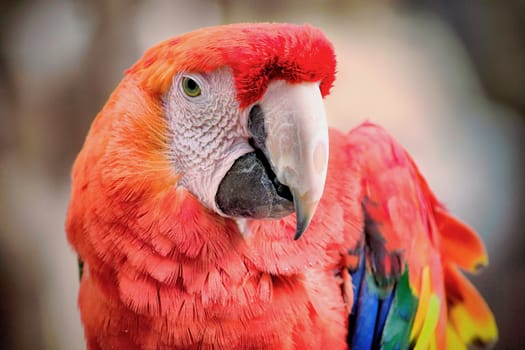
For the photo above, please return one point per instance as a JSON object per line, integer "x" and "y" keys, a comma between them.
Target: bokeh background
{"x": 447, "y": 78}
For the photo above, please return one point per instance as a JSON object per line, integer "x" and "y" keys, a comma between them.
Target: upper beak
{"x": 297, "y": 143}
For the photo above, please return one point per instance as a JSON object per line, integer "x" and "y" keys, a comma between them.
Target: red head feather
{"x": 257, "y": 53}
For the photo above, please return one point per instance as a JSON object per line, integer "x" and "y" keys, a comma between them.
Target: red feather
{"x": 162, "y": 271}
{"x": 256, "y": 53}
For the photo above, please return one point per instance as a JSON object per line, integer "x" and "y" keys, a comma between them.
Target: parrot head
{"x": 240, "y": 116}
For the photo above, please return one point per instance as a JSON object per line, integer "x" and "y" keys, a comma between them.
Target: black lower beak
{"x": 250, "y": 189}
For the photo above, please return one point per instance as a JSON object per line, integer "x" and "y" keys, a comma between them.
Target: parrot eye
{"x": 190, "y": 87}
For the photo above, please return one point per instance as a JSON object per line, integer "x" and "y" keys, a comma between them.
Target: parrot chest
{"x": 259, "y": 311}
{"x": 234, "y": 292}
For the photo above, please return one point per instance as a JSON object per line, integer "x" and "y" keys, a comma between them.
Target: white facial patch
{"x": 208, "y": 131}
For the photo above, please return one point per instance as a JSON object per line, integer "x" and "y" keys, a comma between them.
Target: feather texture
{"x": 407, "y": 229}
{"x": 162, "y": 271}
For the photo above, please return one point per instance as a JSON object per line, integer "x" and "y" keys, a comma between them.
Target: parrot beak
{"x": 297, "y": 143}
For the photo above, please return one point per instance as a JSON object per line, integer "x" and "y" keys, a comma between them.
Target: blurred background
{"x": 447, "y": 78}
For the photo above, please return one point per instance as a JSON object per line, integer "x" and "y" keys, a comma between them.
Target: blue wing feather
{"x": 366, "y": 317}
{"x": 380, "y": 318}
{"x": 384, "y": 309}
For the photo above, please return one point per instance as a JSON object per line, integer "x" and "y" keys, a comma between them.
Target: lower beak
{"x": 297, "y": 143}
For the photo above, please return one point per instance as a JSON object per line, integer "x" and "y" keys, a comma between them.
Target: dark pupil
{"x": 191, "y": 84}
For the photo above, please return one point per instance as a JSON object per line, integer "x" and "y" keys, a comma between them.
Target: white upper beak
{"x": 297, "y": 143}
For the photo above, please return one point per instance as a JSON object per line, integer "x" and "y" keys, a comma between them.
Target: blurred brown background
{"x": 447, "y": 78}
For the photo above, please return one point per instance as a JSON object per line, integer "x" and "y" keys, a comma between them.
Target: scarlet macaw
{"x": 201, "y": 173}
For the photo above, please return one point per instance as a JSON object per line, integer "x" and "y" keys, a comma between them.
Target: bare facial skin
{"x": 209, "y": 132}
{"x": 285, "y": 155}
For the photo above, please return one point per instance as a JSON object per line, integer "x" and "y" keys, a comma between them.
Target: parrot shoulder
{"x": 407, "y": 287}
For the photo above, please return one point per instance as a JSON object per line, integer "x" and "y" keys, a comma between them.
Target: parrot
{"x": 212, "y": 207}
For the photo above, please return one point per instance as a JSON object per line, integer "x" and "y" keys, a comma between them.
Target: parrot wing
{"x": 407, "y": 287}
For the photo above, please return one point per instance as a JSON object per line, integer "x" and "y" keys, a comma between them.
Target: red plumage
{"x": 163, "y": 271}
{"x": 257, "y": 53}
